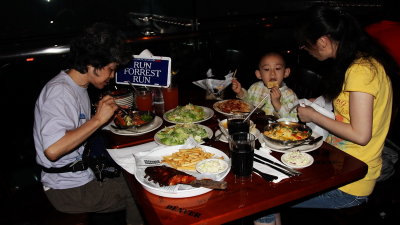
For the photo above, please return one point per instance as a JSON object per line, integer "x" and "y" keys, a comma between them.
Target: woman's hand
{"x": 306, "y": 113}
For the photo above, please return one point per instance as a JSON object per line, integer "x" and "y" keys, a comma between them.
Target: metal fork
{"x": 309, "y": 142}
{"x": 216, "y": 138}
{"x": 266, "y": 176}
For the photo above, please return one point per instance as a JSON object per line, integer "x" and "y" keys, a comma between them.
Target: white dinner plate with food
{"x": 180, "y": 190}
{"x": 297, "y": 159}
{"x": 232, "y": 106}
{"x": 136, "y": 131}
{"x": 188, "y": 114}
{"x": 302, "y": 148}
{"x": 179, "y": 133}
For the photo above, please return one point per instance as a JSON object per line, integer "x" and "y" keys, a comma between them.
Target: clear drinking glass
{"x": 144, "y": 99}
{"x": 236, "y": 124}
{"x": 171, "y": 97}
{"x": 241, "y": 145}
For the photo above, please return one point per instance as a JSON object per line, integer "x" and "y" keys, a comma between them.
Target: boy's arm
{"x": 288, "y": 100}
{"x": 242, "y": 94}
{"x": 237, "y": 88}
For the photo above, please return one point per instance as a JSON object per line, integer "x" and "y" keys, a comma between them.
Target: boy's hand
{"x": 237, "y": 87}
{"x": 276, "y": 98}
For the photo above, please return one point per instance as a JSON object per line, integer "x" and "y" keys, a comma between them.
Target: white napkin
{"x": 210, "y": 85}
{"x": 265, "y": 152}
{"x": 323, "y": 107}
{"x": 125, "y": 156}
{"x": 146, "y": 53}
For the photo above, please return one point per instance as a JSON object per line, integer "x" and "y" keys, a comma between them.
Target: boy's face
{"x": 101, "y": 77}
{"x": 272, "y": 69}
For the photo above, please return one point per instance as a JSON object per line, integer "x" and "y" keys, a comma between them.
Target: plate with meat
{"x": 135, "y": 131}
{"x": 172, "y": 180}
{"x": 232, "y": 106}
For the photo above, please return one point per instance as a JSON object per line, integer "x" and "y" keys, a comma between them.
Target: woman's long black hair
{"x": 353, "y": 43}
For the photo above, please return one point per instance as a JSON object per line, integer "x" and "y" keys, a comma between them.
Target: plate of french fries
{"x": 183, "y": 159}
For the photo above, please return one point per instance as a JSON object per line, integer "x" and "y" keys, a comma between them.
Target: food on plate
{"x": 186, "y": 114}
{"x": 186, "y": 159}
{"x": 233, "y": 105}
{"x": 177, "y": 135}
{"x": 167, "y": 176}
{"x": 212, "y": 166}
{"x": 132, "y": 118}
{"x": 284, "y": 132}
{"x": 271, "y": 84}
{"x": 296, "y": 158}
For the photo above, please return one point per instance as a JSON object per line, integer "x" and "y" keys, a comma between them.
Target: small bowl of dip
{"x": 297, "y": 159}
{"x": 211, "y": 166}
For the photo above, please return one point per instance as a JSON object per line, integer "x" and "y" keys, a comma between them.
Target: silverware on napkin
{"x": 281, "y": 168}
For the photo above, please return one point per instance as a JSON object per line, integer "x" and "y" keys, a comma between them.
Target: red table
{"x": 332, "y": 168}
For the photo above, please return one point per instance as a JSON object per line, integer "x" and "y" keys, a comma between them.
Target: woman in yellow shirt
{"x": 360, "y": 87}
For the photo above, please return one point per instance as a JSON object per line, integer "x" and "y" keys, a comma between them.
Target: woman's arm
{"x": 74, "y": 138}
{"x": 358, "y": 131}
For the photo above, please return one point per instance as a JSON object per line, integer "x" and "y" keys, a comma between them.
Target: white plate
{"x": 178, "y": 191}
{"x": 302, "y": 148}
{"x": 208, "y": 114}
{"x": 208, "y": 130}
{"x": 223, "y": 138}
{"x": 157, "y": 122}
{"x": 216, "y": 108}
{"x": 307, "y": 157}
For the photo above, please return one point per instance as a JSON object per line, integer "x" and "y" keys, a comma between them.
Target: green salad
{"x": 177, "y": 135}
{"x": 186, "y": 114}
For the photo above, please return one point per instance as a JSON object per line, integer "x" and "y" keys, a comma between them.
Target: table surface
{"x": 332, "y": 168}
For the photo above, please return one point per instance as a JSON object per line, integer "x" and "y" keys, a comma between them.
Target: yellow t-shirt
{"x": 367, "y": 76}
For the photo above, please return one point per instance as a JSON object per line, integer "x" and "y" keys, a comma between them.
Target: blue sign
{"x": 146, "y": 71}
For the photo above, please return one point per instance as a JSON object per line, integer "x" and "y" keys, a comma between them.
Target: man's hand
{"x": 105, "y": 109}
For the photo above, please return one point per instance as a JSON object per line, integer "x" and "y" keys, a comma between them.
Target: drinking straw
{"x": 255, "y": 108}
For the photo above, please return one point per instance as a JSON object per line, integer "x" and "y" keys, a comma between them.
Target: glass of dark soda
{"x": 241, "y": 146}
{"x": 236, "y": 123}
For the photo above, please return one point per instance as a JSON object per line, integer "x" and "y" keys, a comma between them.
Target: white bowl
{"x": 297, "y": 159}
{"x": 211, "y": 166}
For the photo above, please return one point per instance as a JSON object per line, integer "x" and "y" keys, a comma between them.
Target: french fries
{"x": 186, "y": 159}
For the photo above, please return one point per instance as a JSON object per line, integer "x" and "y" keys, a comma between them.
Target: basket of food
{"x": 287, "y": 133}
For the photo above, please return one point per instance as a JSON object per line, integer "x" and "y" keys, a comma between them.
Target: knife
{"x": 275, "y": 165}
{"x": 286, "y": 172}
{"x": 268, "y": 161}
{"x": 212, "y": 184}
